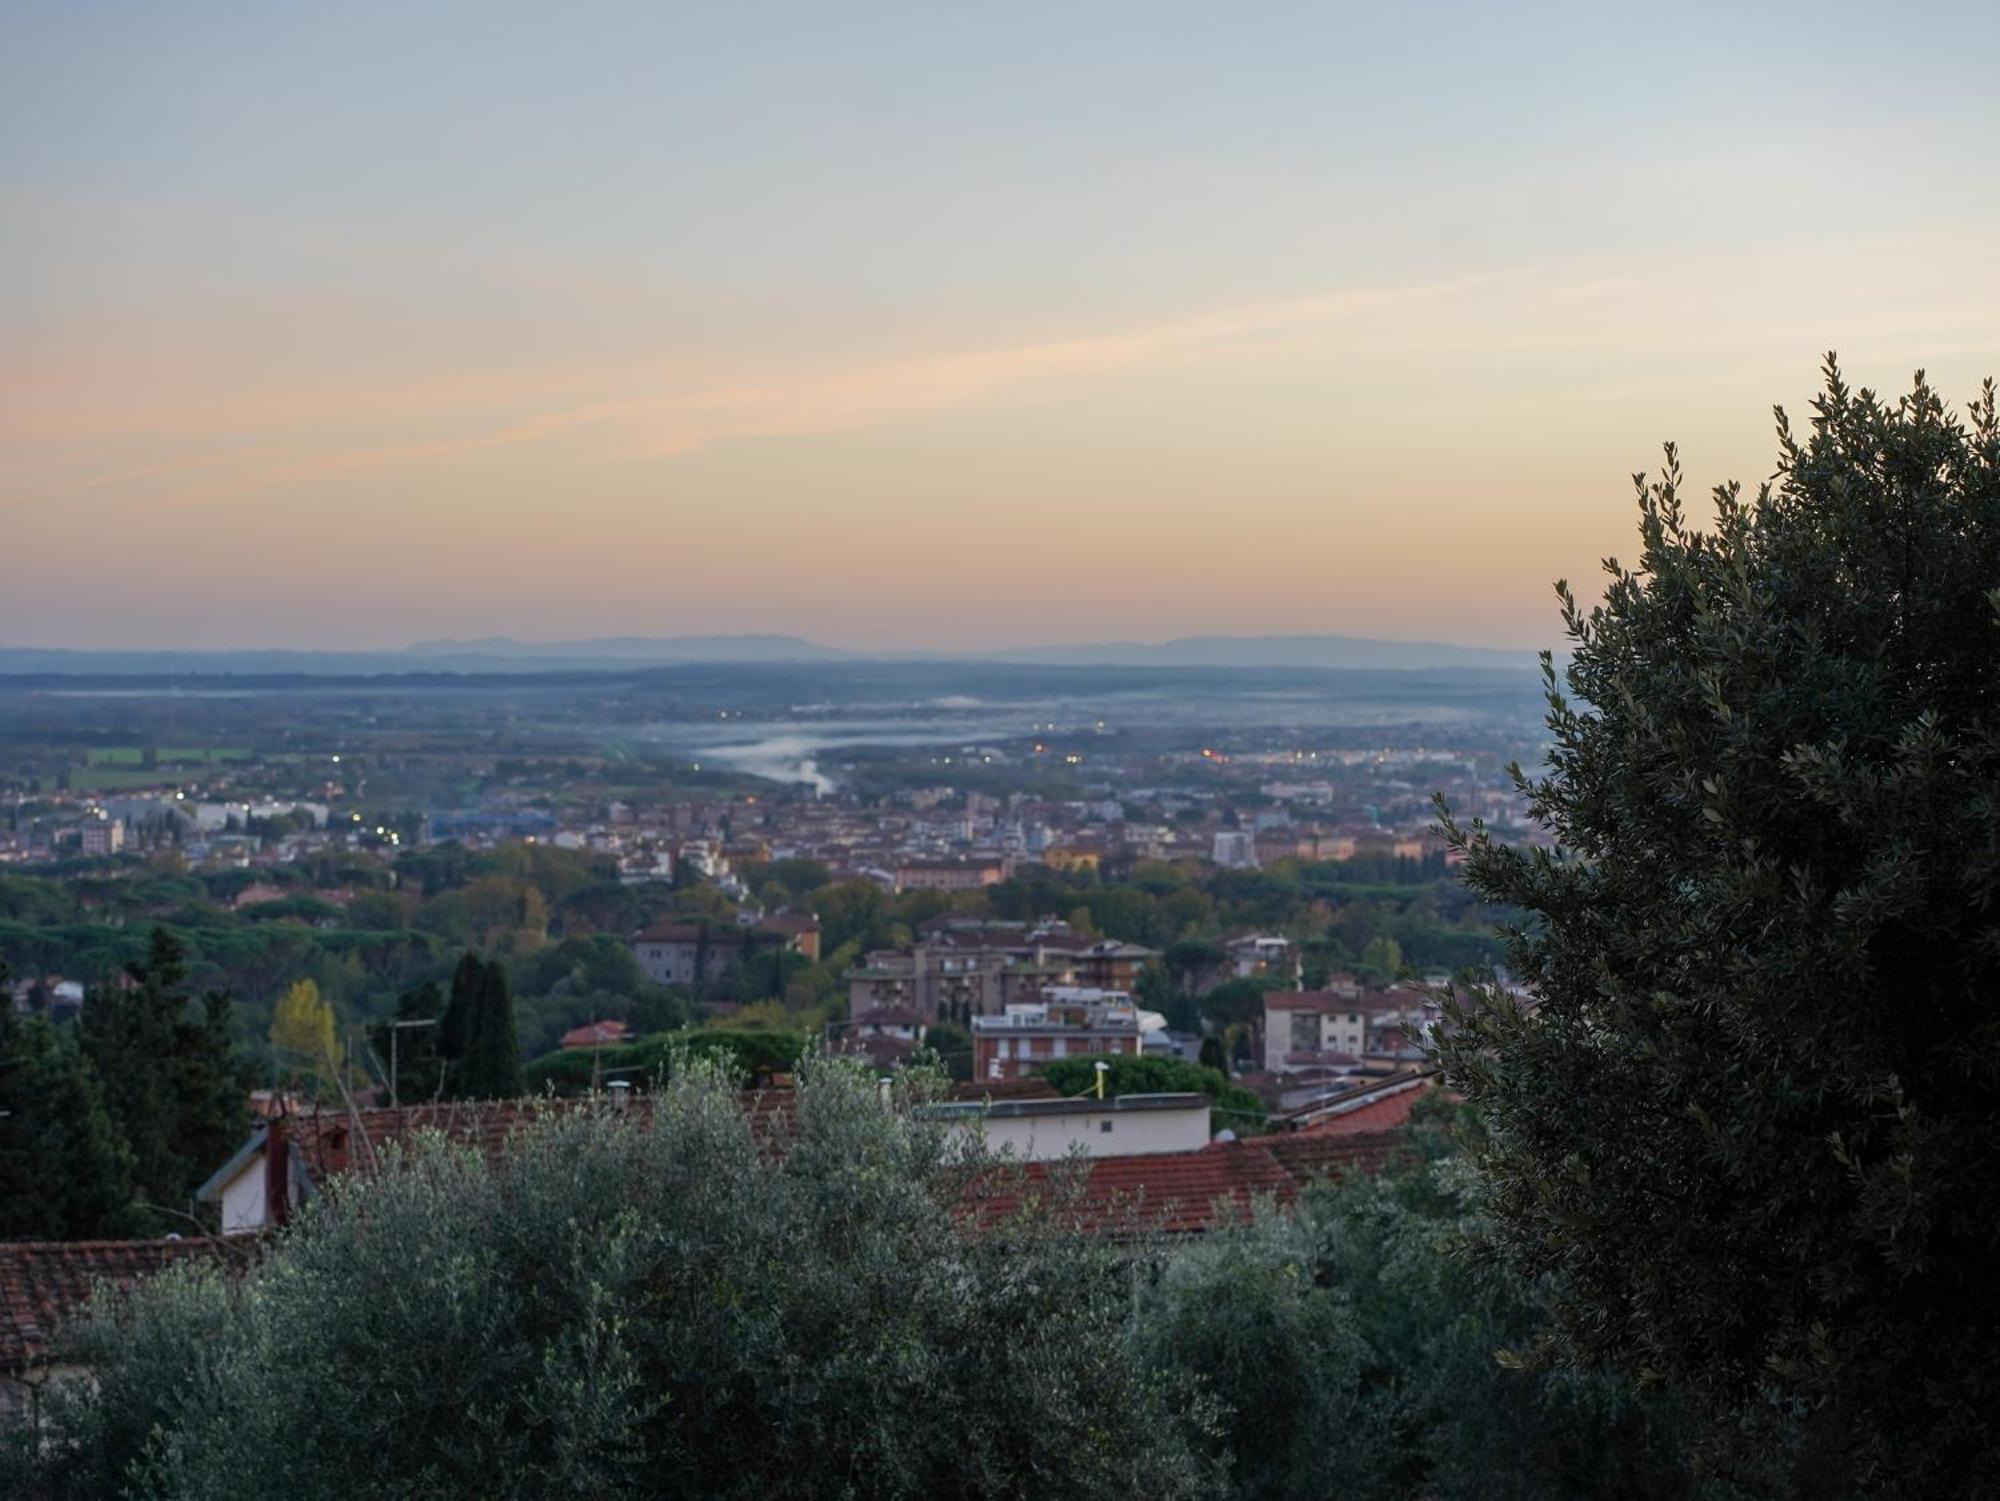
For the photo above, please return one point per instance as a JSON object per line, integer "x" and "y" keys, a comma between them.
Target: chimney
{"x": 277, "y": 1174}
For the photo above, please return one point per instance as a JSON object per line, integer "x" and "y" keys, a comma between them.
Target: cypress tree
{"x": 169, "y": 1080}
{"x": 491, "y": 1066}
{"x": 455, "y": 1030}
{"x": 65, "y": 1172}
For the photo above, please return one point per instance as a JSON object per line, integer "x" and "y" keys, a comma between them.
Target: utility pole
{"x": 395, "y": 1038}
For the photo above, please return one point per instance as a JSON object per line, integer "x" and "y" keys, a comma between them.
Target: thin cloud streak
{"x": 687, "y": 421}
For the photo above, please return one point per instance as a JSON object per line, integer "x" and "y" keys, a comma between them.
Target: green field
{"x": 169, "y": 755}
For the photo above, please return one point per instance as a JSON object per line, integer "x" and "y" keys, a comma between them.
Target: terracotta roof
{"x": 327, "y": 1143}
{"x": 1310, "y": 1156}
{"x": 1190, "y": 1193}
{"x": 591, "y": 1034}
{"x": 675, "y": 932}
{"x": 43, "y": 1283}
{"x": 1377, "y": 1115}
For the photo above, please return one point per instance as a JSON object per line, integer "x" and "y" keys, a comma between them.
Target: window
{"x": 1105, "y": 1126}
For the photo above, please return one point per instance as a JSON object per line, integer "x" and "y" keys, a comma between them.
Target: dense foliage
{"x": 1353, "y": 1347}
{"x": 639, "y": 1307}
{"x": 646, "y": 1061}
{"x": 1754, "y": 1121}
{"x": 559, "y": 921}
{"x": 1235, "y": 1107}
{"x": 108, "y": 1128}
{"x": 65, "y": 1170}
{"x": 656, "y": 1305}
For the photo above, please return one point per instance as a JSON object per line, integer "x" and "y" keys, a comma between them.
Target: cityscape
{"x": 973, "y": 753}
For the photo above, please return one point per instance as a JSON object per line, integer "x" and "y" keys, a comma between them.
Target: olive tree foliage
{"x": 1353, "y": 1346}
{"x": 654, "y": 1304}
{"x": 1752, "y": 1122}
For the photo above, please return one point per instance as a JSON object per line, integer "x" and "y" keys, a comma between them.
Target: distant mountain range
{"x": 503, "y": 654}
{"x": 751, "y": 648}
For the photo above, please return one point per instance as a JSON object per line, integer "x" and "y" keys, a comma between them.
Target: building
{"x": 949, "y": 875}
{"x": 596, "y": 1035}
{"x": 962, "y": 970}
{"x": 1133, "y": 1125}
{"x": 44, "y": 1283}
{"x": 1235, "y": 849}
{"x": 885, "y": 1037}
{"x": 1339, "y": 1026}
{"x": 103, "y": 836}
{"x": 693, "y": 953}
{"x": 1260, "y": 956}
{"x": 1071, "y": 1022}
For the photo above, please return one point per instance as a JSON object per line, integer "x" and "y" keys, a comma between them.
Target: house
{"x": 950, "y": 875}
{"x": 1133, "y": 1125}
{"x": 1258, "y": 955}
{"x": 960, "y": 970}
{"x": 1174, "y": 1194}
{"x": 1156, "y": 1182}
{"x": 285, "y": 1160}
{"x": 1339, "y": 1025}
{"x": 1362, "y": 1105}
{"x": 886, "y": 1037}
{"x": 596, "y": 1035}
{"x": 44, "y": 1283}
{"x": 1072, "y": 1022}
{"x": 693, "y": 953}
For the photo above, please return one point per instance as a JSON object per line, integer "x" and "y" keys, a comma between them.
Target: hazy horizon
{"x": 347, "y": 329}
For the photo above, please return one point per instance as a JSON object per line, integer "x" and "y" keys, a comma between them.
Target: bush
{"x": 644, "y": 1062}
{"x": 638, "y": 1305}
{"x": 1235, "y": 1107}
{"x": 1353, "y": 1347}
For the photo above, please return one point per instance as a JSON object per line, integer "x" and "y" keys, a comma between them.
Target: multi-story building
{"x": 1340, "y": 1025}
{"x": 950, "y": 875}
{"x": 1072, "y": 1022}
{"x": 1235, "y": 849}
{"x": 979, "y": 969}
{"x": 103, "y": 836}
{"x": 1257, "y": 955}
{"x": 692, "y": 953}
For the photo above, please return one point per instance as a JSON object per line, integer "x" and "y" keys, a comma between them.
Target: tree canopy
{"x": 1753, "y": 1118}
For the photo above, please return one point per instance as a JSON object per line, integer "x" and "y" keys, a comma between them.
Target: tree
{"x": 1382, "y": 958}
{"x": 170, "y": 1078}
{"x": 455, "y": 1028}
{"x": 1235, "y": 1107}
{"x": 1754, "y": 1116}
{"x": 1351, "y": 1346}
{"x": 302, "y": 1026}
{"x": 1189, "y": 959}
{"x": 409, "y": 1055}
{"x": 489, "y": 1067}
{"x": 640, "y": 1304}
{"x": 65, "y": 1173}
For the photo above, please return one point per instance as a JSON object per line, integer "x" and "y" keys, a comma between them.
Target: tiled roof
{"x": 593, "y": 1033}
{"x": 44, "y": 1282}
{"x": 1188, "y": 1193}
{"x": 1309, "y": 1156}
{"x": 1377, "y": 1115}
{"x": 329, "y": 1145}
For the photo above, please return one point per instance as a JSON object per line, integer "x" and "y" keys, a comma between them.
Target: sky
{"x": 937, "y": 325}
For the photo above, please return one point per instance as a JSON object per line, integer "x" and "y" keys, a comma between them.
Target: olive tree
{"x": 1751, "y": 1119}
{"x": 666, "y": 1303}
